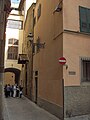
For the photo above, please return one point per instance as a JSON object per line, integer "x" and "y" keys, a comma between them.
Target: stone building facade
{"x": 4, "y": 12}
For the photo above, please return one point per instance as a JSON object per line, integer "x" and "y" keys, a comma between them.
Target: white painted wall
{"x": 17, "y": 34}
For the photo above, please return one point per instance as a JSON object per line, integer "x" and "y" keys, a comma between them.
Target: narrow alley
{"x": 24, "y": 109}
{"x": 45, "y": 56}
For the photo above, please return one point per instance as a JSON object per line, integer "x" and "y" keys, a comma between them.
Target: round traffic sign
{"x": 62, "y": 60}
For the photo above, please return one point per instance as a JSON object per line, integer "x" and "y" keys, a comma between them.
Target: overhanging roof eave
{"x": 21, "y": 4}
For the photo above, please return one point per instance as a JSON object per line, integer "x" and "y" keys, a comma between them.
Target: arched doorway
{"x": 12, "y": 76}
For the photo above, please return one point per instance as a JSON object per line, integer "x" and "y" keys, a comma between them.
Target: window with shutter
{"x": 84, "y": 19}
{"x": 88, "y": 19}
{"x": 39, "y": 11}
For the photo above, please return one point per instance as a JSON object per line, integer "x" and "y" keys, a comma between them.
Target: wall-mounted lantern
{"x": 58, "y": 8}
{"x": 38, "y": 44}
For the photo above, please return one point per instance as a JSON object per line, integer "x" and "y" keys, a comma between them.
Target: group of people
{"x": 13, "y": 90}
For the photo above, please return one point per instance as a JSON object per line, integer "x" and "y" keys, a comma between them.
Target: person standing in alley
{"x": 20, "y": 88}
{"x": 8, "y": 90}
{"x": 5, "y": 91}
{"x": 17, "y": 91}
{"x": 14, "y": 90}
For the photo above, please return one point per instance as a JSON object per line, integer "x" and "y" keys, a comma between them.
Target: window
{"x": 39, "y": 11}
{"x": 12, "y": 52}
{"x": 12, "y": 49}
{"x": 85, "y": 70}
{"x": 13, "y": 41}
{"x": 15, "y": 24}
{"x": 84, "y": 19}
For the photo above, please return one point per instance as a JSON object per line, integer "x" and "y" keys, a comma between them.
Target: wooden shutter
{"x": 88, "y": 20}
{"x": 83, "y": 19}
{"x": 39, "y": 11}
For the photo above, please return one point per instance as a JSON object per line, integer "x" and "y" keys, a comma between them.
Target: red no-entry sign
{"x": 62, "y": 60}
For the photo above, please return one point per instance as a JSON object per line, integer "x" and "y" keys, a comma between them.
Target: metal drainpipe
{"x": 63, "y": 96}
{"x": 32, "y": 58}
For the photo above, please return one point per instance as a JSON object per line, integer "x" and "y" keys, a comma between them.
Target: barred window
{"x": 85, "y": 69}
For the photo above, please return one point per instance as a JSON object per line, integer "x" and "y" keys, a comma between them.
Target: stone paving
{"x": 24, "y": 109}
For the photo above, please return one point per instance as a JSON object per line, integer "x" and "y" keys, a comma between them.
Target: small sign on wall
{"x": 72, "y": 73}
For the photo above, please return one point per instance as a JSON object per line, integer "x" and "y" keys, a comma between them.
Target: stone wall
{"x": 76, "y": 100}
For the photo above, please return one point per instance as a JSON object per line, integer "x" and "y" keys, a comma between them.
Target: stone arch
{"x": 15, "y": 71}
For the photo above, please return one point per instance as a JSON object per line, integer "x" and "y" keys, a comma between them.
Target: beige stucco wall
{"x": 71, "y": 13}
{"x": 74, "y": 45}
{"x": 27, "y": 49}
{"x": 28, "y": 4}
{"x": 46, "y": 61}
